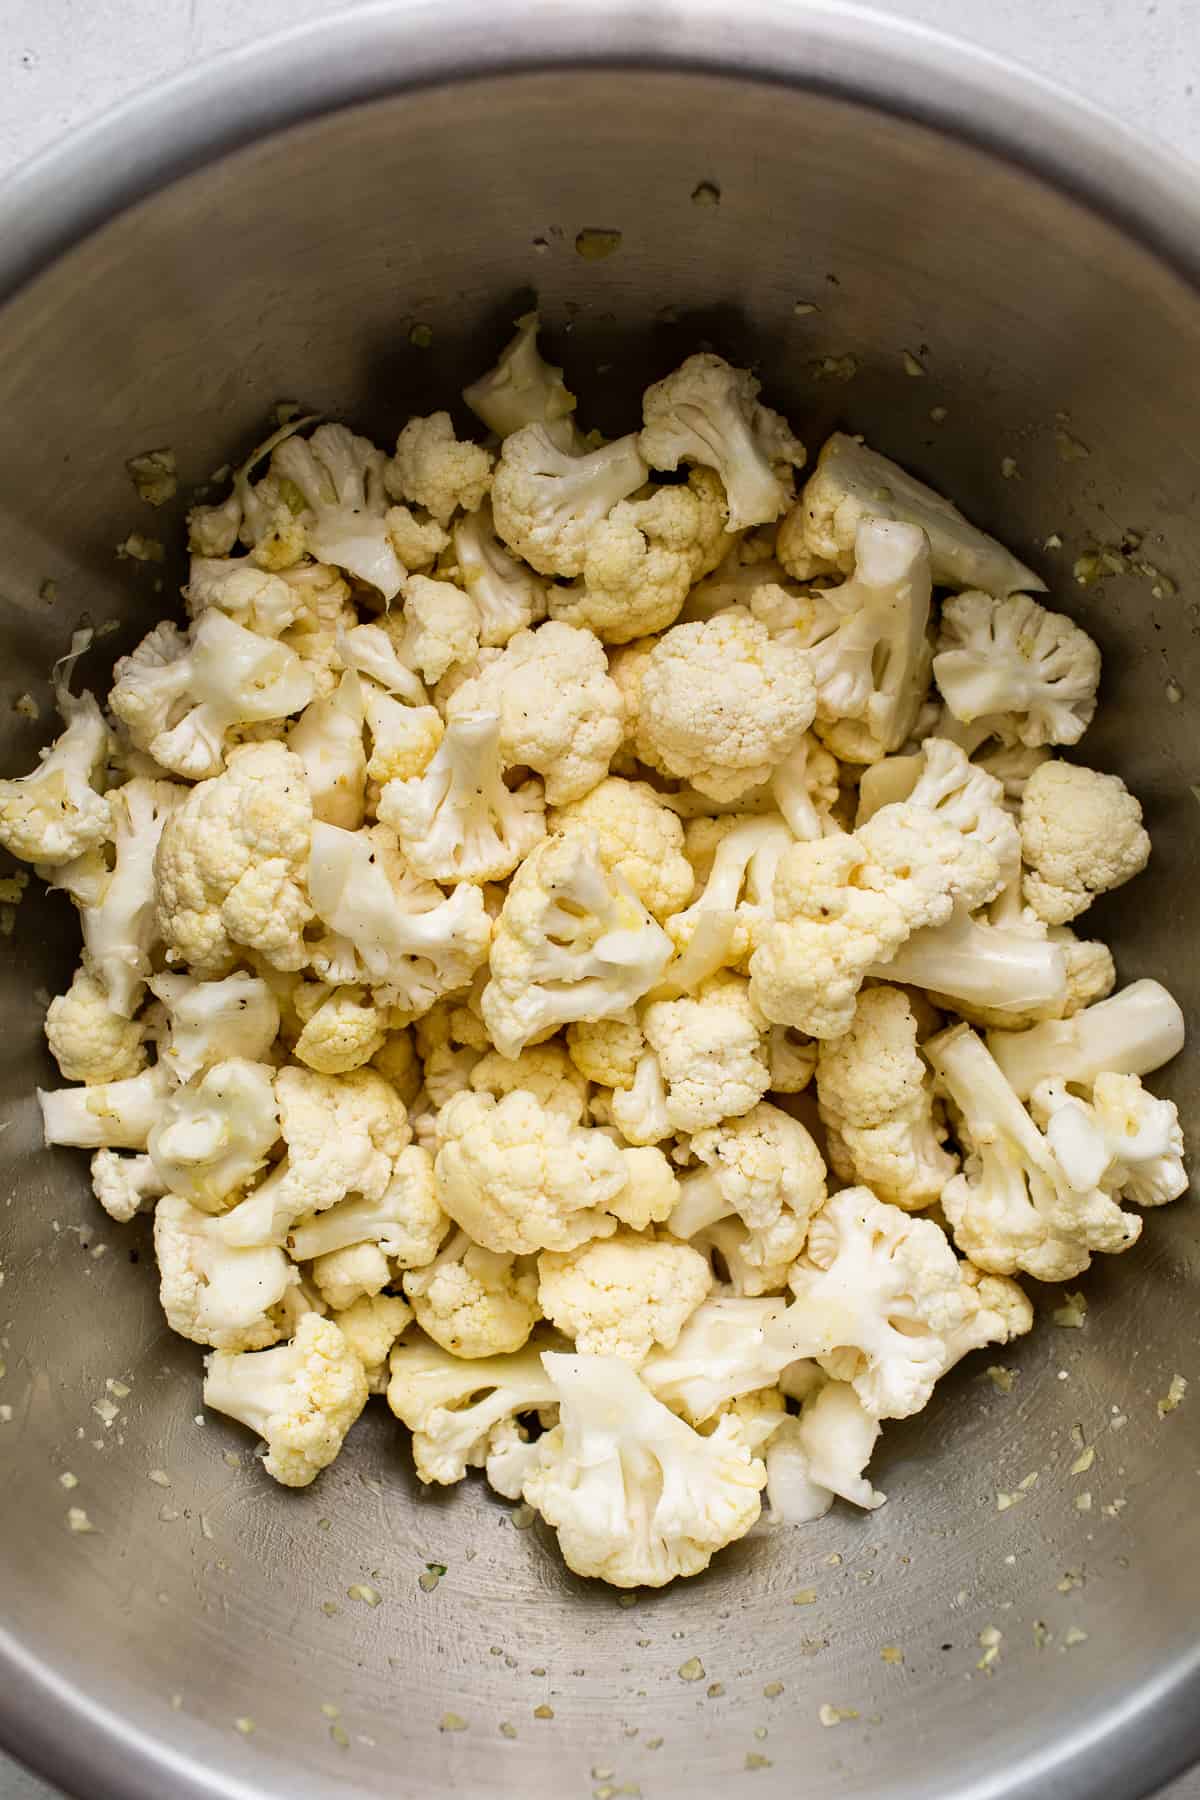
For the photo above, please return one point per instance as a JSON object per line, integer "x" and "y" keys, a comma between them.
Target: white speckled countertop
{"x": 62, "y": 61}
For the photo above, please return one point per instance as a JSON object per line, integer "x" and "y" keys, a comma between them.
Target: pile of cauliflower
{"x": 579, "y": 939}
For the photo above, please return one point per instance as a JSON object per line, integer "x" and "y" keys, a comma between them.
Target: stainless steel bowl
{"x": 271, "y": 227}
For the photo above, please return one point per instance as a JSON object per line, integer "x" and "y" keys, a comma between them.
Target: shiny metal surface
{"x": 287, "y": 218}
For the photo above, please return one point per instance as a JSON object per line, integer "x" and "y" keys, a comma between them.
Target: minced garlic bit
{"x": 912, "y": 364}
{"x": 772, "y": 1690}
{"x": 67, "y": 1480}
{"x": 244, "y": 1725}
{"x": 1083, "y": 1502}
{"x": 361, "y": 1591}
{"x": 891, "y": 1653}
{"x": 691, "y": 1670}
{"x": 140, "y": 548}
{"x": 27, "y": 708}
{"x": 1073, "y": 1636}
{"x": 1002, "y": 1379}
{"x": 1009, "y": 469}
{"x": 153, "y": 475}
{"x": 77, "y": 1520}
{"x": 1069, "y": 448}
{"x": 990, "y": 1640}
{"x": 834, "y": 1715}
{"x": 1072, "y": 1313}
{"x": 452, "y": 1721}
{"x": 1173, "y": 1396}
{"x": 804, "y": 308}
{"x": 594, "y": 245}
{"x": 1084, "y": 1461}
{"x": 805, "y": 1597}
{"x": 159, "y": 1477}
{"x": 707, "y": 193}
{"x": 835, "y": 368}
{"x": 543, "y": 1712}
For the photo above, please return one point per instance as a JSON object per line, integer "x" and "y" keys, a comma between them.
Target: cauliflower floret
{"x": 1123, "y": 1139}
{"x": 441, "y": 626}
{"x": 638, "y": 837}
{"x": 560, "y": 714}
{"x": 709, "y": 413}
{"x": 340, "y": 478}
{"x": 878, "y": 1108}
{"x": 454, "y": 1406}
{"x": 994, "y": 973}
{"x": 750, "y": 1263}
{"x": 911, "y": 1310}
{"x": 409, "y": 941}
{"x": 1134, "y": 1033}
{"x": 302, "y": 1398}
{"x": 642, "y": 559}
{"x": 212, "y": 1292}
{"x": 653, "y": 1190}
{"x": 518, "y": 1177}
{"x": 125, "y": 1185}
{"x": 347, "y": 1030}
{"x": 622, "y": 1295}
{"x": 547, "y": 500}
{"x": 1016, "y": 671}
{"x": 433, "y": 469}
{"x": 230, "y": 865}
{"x": 522, "y": 388}
{"x": 328, "y": 739}
{"x": 343, "y": 1134}
{"x": 209, "y": 1021}
{"x": 180, "y": 697}
{"x": 451, "y": 1041}
{"x": 457, "y": 821}
{"x": 710, "y": 1052}
{"x": 822, "y": 1455}
{"x": 866, "y": 640}
{"x": 399, "y": 1064}
{"x": 506, "y": 594}
{"x": 636, "y": 1496}
{"x": 639, "y": 1111}
{"x": 545, "y": 1071}
{"x": 405, "y": 1220}
{"x": 55, "y": 814}
{"x": 370, "y": 1326}
{"x": 116, "y": 1115}
{"x": 404, "y": 739}
{"x": 215, "y": 1133}
{"x": 792, "y": 1059}
{"x": 735, "y": 857}
{"x": 374, "y": 651}
{"x": 852, "y": 482}
{"x": 845, "y": 905}
{"x": 265, "y": 516}
{"x": 1013, "y": 1206}
{"x": 607, "y": 1051}
{"x": 251, "y": 596}
{"x": 765, "y": 1170}
{"x": 722, "y": 1353}
{"x": 417, "y": 542}
{"x": 720, "y": 705}
{"x": 805, "y": 788}
{"x": 88, "y": 1039}
{"x": 355, "y": 1273}
{"x": 475, "y": 1302}
{"x": 1081, "y": 835}
{"x": 958, "y": 791}
{"x": 572, "y": 942}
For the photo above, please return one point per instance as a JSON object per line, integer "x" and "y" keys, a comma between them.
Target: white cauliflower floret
{"x": 374, "y": 651}
{"x": 636, "y": 1496}
{"x": 355, "y": 1273}
{"x": 457, "y": 821}
{"x": 622, "y": 1295}
{"x": 450, "y": 1040}
{"x": 1081, "y": 835}
{"x": 547, "y": 499}
{"x": 181, "y": 697}
{"x": 866, "y": 640}
{"x": 735, "y": 857}
{"x": 404, "y": 739}
{"x": 545, "y": 1071}
{"x": 88, "y": 1038}
{"x": 638, "y": 837}
{"x": 877, "y": 1105}
{"x": 115, "y": 1115}
{"x": 1133, "y": 1033}
{"x": 230, "y": 865}
{"x": 340, "y": 478}
{"x": 215, "y": 1133}
{"x": 1014, "y": 670}
{"x": 475, "y": 1302}
{"x": 720, "y": 705}
{"x": 639, "y": 1111}
{"x": 709, "y": 413}
{"x": 711, "y": 1054}
{"x": 822, "y": 1456}
{"x": 560, "y": 713}
{"x": 506, "y": 594}
{"x": 399, "y": 933}
{"x": 253, "y": 597}
{"x": 343, "y": 1134}
{"x": 1013, "y": 1206}
{"x": 765, "y": 1170}
{"x": 212, "y": 1292}
{"x": 265, "y": 516}
{"x": 417, "y": 542}
{"x": 1123, "y": 1139}
{"x": 125, "y": 1185}
{"x": 346, "y": 1030}
{"x": 209, "y": 1021}
{"x": 911, "y": 1309}
{"x": 993, "y": 973}
{"x": 522, "y": 388}
{"x": 433, "y": 469}
{"x": 805, "y": 788}
{"x": 845, "y": 905}
{"x": 852, "y": 482}
{"x": 404, "y": 1220}
{"x": 370, "y": 1326}
{"x": 55, "y": 813}
{"x": 653, "y": 1190}
{"x": 518, "y": 1177}
{"x": 441, "y": 626}
{"x": 328, "y": 739}
{"x": 301, "y": 1398}
{"x": 572, "y": 942}
{"x": 399, "y": 1064}
{"x": 607, "y": 1051}
{"x": 722, "y": 1353}
{"x": 453, "y": 1405}
{"x": 641, "y": 561}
